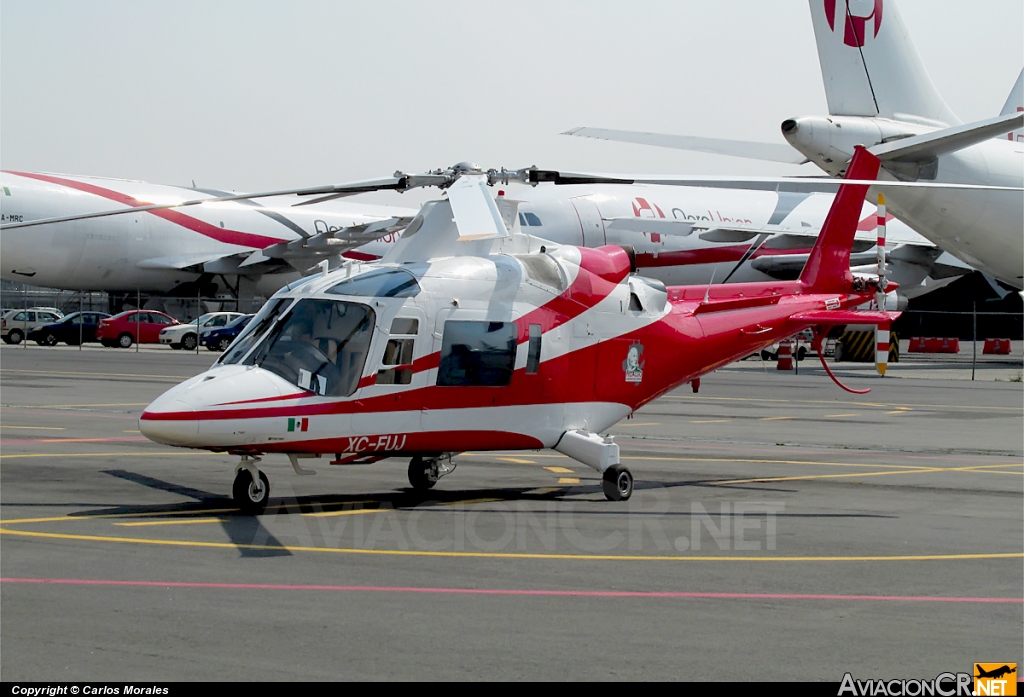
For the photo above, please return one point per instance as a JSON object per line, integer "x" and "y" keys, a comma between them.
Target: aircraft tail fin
{"x": 869, "y": 65}
{"x": 1015, "y": 103}
{"x": 828, "y": 267}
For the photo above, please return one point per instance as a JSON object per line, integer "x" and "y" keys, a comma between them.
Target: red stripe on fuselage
{"x": 242, "y": 239}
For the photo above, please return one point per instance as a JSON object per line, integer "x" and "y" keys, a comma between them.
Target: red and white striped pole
{"x": 881, "y": 331}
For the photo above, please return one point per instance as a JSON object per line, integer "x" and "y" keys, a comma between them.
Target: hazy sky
{"x": 253, "y": 95}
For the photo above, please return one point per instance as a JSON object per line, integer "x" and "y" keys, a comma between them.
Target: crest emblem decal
{"x": 633, "y": 367}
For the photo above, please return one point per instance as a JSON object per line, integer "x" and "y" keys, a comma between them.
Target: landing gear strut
{"x": 617, "y": 483}
{"x": 424, "y": 472}
{"x": 251, "y": 489}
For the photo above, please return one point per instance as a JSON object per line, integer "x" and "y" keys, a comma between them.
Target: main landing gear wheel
{"x": 249, "y": 496}
{"x": 617, "y": 483}
{"x": 422, "y": 474}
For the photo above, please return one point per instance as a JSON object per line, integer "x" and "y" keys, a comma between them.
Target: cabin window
{"x": 318, "y": 345}
{"x": 533, "y": 353}
{"x": 267, "y": 315}
{"x": 396, "y": 365}
{"x": 480, "y": 354}
{"x": 379, "y": 283}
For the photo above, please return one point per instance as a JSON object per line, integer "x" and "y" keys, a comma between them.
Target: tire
{"x": 801, "y": 353}
{"x": 837, "y": 356}
{"x": 15, "y": 337}
{"x": 222, "y": 345}
{"x": 419, "y": 475}
{"x": 767, "y": 356}
{"x": 50, "y": 340}
{"x": 125, "y": 340}
{"x": 250, "y": 499}
{"x": 617, "y": 483}
{"x": 189, "y": 341}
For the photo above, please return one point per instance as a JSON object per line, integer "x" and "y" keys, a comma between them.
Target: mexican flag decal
{"x": 298, "y": 424}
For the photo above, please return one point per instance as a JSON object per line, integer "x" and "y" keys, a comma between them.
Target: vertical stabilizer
{"x": 828, "y": 267}
{"x": 1015, "y": 103}
{"x": 869, "y": 65}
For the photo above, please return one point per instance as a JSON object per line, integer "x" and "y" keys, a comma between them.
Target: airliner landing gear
{"x": 251, "y": 489}
{"x": 424, "y": 472}
{"x": 617, "y": 483}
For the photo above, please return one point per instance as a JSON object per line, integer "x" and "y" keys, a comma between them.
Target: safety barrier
{"x": 785, "y": 355}
{"x": 999, "y": 347}
{"x": 920, "y": 344}
{"x": 859, "y": 347}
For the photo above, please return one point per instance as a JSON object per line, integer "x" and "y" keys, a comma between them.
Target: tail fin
{"x": 1015, "y": 103}
{"x": 869, "y": 65}
{"x": 828, "y": 268}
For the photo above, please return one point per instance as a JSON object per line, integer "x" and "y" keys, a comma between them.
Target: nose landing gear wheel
{"x": 249, "y": 496}
{"x": 617, "y": 483}
{"x": 422, "y": 474}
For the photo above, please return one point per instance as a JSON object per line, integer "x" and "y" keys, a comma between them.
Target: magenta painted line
{"x": 671, "y": 595}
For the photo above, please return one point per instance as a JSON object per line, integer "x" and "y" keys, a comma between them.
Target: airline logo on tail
{"x": 855, "y": 33}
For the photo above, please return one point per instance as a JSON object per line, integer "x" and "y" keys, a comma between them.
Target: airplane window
{"x": 532, "y": 220}
{"x": 522, "y": 220}
{"x": 399, "y": 352}
{"x": 379, "y": 283}
{"x": 477, "y": 354}
{"x": 533, "y": 357}
{"x": 319, "y": 345}
{"x": 405, "y": 325}
{"x": 267, "y": 315}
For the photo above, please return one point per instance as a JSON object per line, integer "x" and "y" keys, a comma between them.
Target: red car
{"x": 134, "y": 325}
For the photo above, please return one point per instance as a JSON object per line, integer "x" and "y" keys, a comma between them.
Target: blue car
{"x": 68, "y": 329}
{"x": 219, "y": 338}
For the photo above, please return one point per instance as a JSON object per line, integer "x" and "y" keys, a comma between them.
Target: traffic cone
{"x": 785, "y": 355}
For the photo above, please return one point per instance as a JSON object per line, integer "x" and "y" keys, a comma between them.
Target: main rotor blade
{"x": 726, "y": 181}
{"x": 398, "y": 183}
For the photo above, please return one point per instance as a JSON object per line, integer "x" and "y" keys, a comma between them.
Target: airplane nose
{"x": 174, "y": 424}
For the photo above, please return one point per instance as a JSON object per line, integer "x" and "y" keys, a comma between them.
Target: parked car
{"x": 15, "y": 323}
{"x": 219, "y": 338}
{"x": 185, "y": 336}
{"x": 68, "y": 329}
{"x": 134, "y": 325}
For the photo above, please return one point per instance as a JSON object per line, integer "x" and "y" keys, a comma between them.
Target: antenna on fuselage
{"x": 707, "y": 292}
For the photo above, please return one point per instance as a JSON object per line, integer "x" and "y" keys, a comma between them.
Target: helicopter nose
{"x": 171, "y": 422}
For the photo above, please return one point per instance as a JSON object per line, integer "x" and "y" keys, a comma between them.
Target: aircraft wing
{"x": 772, "y": 152}
{"x": 663, "y": 226}
{"x": 179, "y": 262}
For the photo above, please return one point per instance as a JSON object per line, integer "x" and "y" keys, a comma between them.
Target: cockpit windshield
{"x": 379, "y": 283}
{"x": 259, "y": 325}
{"x": 318, "y": 345}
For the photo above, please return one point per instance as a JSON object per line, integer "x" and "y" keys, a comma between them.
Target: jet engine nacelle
{"x": 829, "y": 141}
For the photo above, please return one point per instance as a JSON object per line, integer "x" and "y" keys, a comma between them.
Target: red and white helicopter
{"x": 470, "y": 335}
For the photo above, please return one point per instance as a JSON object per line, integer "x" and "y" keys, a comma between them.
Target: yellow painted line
{"x": 355, "y": 511}
{"x": 518, "y": 461}
{"x": 107, "y": 516}
{"x": 568, "y": 480}
{"x": 975, "y": 469}
{"x": 711, "y": 421}
{"x": 559, "y": 470}
{"x": 509, "y": 555}
{"x": 898, "y": 412}
{"x": 131, "y": 430}
{"x": 755, "y": 461}
{"x": 151, "y": 453}
{"x": 650, "y": 423}
{"x": 825, "y": 401}
{"x": 197, "y": 521}
{"x": 839, "y": 416}
{"x": 776, "y": 418}
{"x": 37, "y": 428}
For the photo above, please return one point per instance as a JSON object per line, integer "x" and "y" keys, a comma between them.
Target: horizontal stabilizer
{"x": 928, "y": 146}
{"x": 772, "y": 152}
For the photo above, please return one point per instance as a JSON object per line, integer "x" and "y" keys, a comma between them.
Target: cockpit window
{"x": 260, "y": 323}
{"x": 529, "y": 220}
{"x": 379, "y": 283}
{"x": 318, "y": 345}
